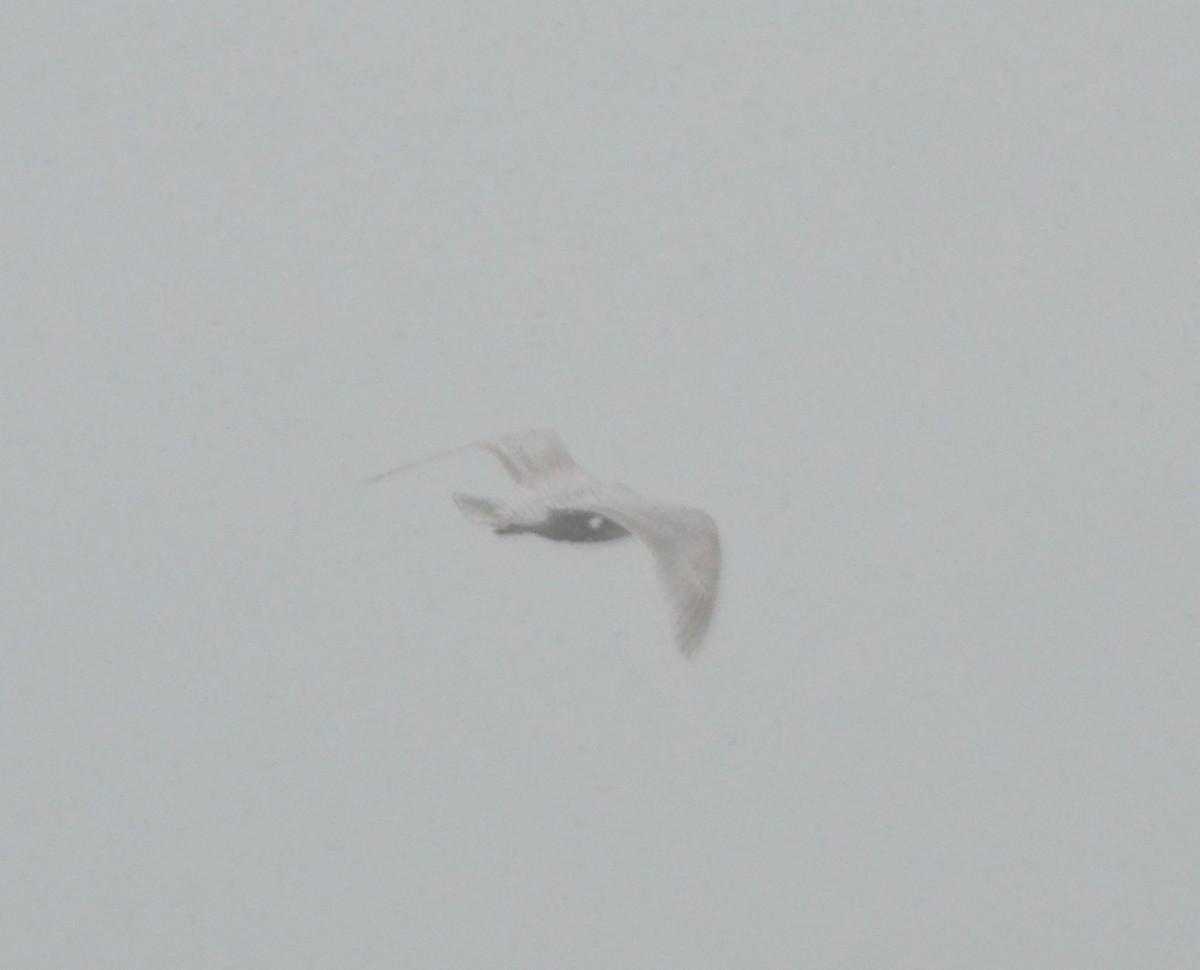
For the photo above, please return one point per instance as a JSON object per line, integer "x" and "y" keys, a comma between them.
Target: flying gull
{"x": 557, "y": 499}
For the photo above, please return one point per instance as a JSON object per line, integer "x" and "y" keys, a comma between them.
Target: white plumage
{"x": 557, "y": 499}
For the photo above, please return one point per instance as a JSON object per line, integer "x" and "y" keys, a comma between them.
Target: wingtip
{"x": 692, "y": 627}
{"x": 689, "y": 640}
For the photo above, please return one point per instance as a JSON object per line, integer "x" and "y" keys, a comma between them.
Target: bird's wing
{"x": 687, "y": 555}
{"x": 533, "y": 459}
{"x": 536, "y": 459}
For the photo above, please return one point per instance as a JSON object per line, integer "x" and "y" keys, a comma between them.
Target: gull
{"x": 557, "y": 499}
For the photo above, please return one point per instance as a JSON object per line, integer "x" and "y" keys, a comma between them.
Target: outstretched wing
{"x": 533, "y": 459}
{"x": 536, "y": 459}
{"x": 687, "y": 557}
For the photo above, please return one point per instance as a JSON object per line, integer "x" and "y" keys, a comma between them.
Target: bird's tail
{"x": 484, "y": 511}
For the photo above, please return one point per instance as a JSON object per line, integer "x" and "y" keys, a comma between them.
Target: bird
{"x": 556, "y": 499}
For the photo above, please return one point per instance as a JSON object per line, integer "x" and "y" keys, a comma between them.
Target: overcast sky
{"x": 905, "y": 295}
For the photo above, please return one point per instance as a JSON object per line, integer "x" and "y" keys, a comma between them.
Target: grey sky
{"x": 905, "y": 296}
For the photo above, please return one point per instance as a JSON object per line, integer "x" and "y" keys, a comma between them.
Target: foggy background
{"x": 905, "y": 295}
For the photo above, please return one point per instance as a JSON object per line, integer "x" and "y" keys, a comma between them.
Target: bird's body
{"x": 558, "y": 500}
{"x": 566, "y": 526}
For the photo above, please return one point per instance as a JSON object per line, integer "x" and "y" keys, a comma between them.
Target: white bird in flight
{"x": 557, "y": 499}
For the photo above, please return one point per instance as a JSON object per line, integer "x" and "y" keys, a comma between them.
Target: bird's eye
{"x": 595, "y": 522}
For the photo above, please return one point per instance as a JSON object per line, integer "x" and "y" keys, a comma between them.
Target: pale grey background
{"x": 904, "y": 294}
